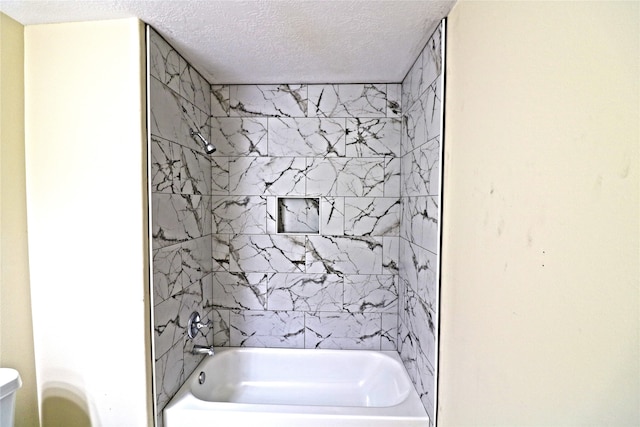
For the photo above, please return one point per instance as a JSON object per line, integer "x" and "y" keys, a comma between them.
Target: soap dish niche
{"x": 298, "y": 215}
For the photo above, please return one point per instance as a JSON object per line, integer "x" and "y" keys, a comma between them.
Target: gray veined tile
{"x": 195, "y": 89}
{"x": 241, "y": 291}
{"x": 390, "y": 255}
{"x": 164, "y": 62}
{"x": 368, "y": 293}
{"x": 176, "y": 218}
{"x": 221, "y": 330}
{"x": 421, "y": 170}
{"x": 373, "y": 137}
{"x": 332, "y": 216}
{"x": 423, "y": 326}
{"x": 220, "y": 100}
{"x": 372, "y": 216}
{"x": 193, "y": 176}
{"x": 268, "y": 100}
{"x": 305, "y": 292}
{"x": 161, "y": 166}
{"x": 239, "y": 214}
{"x": 169, "y": 374}
{"x": 345, "y": 177}
{"x": 343, "y": 330}
{"x": 166, "y": 112}
{"x": 267, "y": 329}
{"x": 394, "y": 100}
{"x": 348, "y": 100}
{"x": 432, "y": 59}
{"x": 239, "y": 136}
{"x": 344, "y": 255}
{"x": 219, "y": 175}
{"x": 420, "y": 221}
{"x": 166, "y": 325}
{"x": 278, "y": 176}
{"x": 267, "y": 253}
{"x": 220, "y": 252}
{"x": 392, "y": 176}
{"x": 306, "y": 137}
{"x": 389, "y": 331}
{"x": 418, "y": 267}
{"x": 422, "y": 120}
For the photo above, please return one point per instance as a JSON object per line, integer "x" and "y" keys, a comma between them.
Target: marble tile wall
{"x": 337, "y": 144}
{"x": 420, "y": 198}
{"x": 181, "y": 214}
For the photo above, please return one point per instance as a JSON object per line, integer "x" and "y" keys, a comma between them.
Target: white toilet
{"x": 10, "y": 382}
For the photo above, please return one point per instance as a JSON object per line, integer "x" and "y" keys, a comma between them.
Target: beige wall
{"x": 540, "y": 275}
{"x": 87, "y": 217}
{"x": 16, "y": 333}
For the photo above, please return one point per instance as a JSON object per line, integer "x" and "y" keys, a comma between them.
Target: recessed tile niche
{"x": 298, "y": 215}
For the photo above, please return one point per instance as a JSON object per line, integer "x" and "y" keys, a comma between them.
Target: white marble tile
{"x": 268, "y": 100}
{"x": 193, "y": 175}
{"x": 278, "y": 176}
{"x": 267, "y": 329}
{"x": 389, "y": 331}
{"x": 176, "y": 218}
{"x": 161, "y": 166}
{"x": 220, "y": 252}
{"x": 166, "y": 326}
{"x": 220, "y": 100}
{"x": 239, "y": 214}
{"x": 370, "y": 293}
{"x": 420, "y": 221}
{"x": 318, "y": 137}
{"x": 164, "y": 62}
{"x": 219, "y": 175}
{"x": 305, "y": 292}
{"x": 390, "y": 254}
{"x": 221, "y": 329}
{"x": 394, "y": 100}
{"x": 239, "y": 136}
{"x": 373, "y": 137}
{"x": 242, "y": 291}
{"x": 343, "y": 330}
{"x": 345, "y": 177}
{"x": 418, "y": 267}
{"x": 348, "y": 100}
{"x": 371, "y": 216}
{"x": 421, "y": 170}
{"x": 422, "y": 120}
{"x": 392, "y": 177}
{"x": 332, "y": 216}
{"x": 166, "y": 113}
{"x": 421, "y": 322}
{"x": 195, "y": 88}
{"x": 267, "y": 253}
{"x": 347, "y": 255}
{"x": 425, "y": 382}
{"x": 169, "y": 374}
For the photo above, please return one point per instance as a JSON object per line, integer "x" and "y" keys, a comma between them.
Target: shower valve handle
{"x": 195, "y": 324}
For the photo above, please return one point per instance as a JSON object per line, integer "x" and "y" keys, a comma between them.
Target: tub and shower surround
{"x": 419, "y": 224}
{"x": 180, "y": 179}
{"x": 337, "y": 147}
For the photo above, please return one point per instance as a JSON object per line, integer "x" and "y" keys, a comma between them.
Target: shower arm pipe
{"x": 199, "y": 135}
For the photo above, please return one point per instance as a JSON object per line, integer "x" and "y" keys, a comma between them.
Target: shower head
{"x": 208, "y": 147}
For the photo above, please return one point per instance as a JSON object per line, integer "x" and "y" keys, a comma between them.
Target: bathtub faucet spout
{"x": 202, "y": 349}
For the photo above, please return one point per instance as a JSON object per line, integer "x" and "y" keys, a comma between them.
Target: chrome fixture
{"x": 194, "y": 324}
{"x": 208, "y": 147}
{"x": 202, "y": 377}
{"x": 202, "y": 349}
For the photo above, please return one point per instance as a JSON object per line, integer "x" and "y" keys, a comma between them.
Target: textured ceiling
{"x": 271, "y": 41}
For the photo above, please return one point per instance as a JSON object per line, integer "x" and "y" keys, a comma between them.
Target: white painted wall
{"x": 87, "y": 219}
{"x": 540, "y": 276}
{"x": 16, "y": 332}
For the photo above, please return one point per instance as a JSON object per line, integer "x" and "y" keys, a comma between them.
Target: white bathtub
{"x": 291, "y": 387}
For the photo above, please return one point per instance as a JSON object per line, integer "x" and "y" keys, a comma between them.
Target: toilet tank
{"x": 10, "y": 382}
